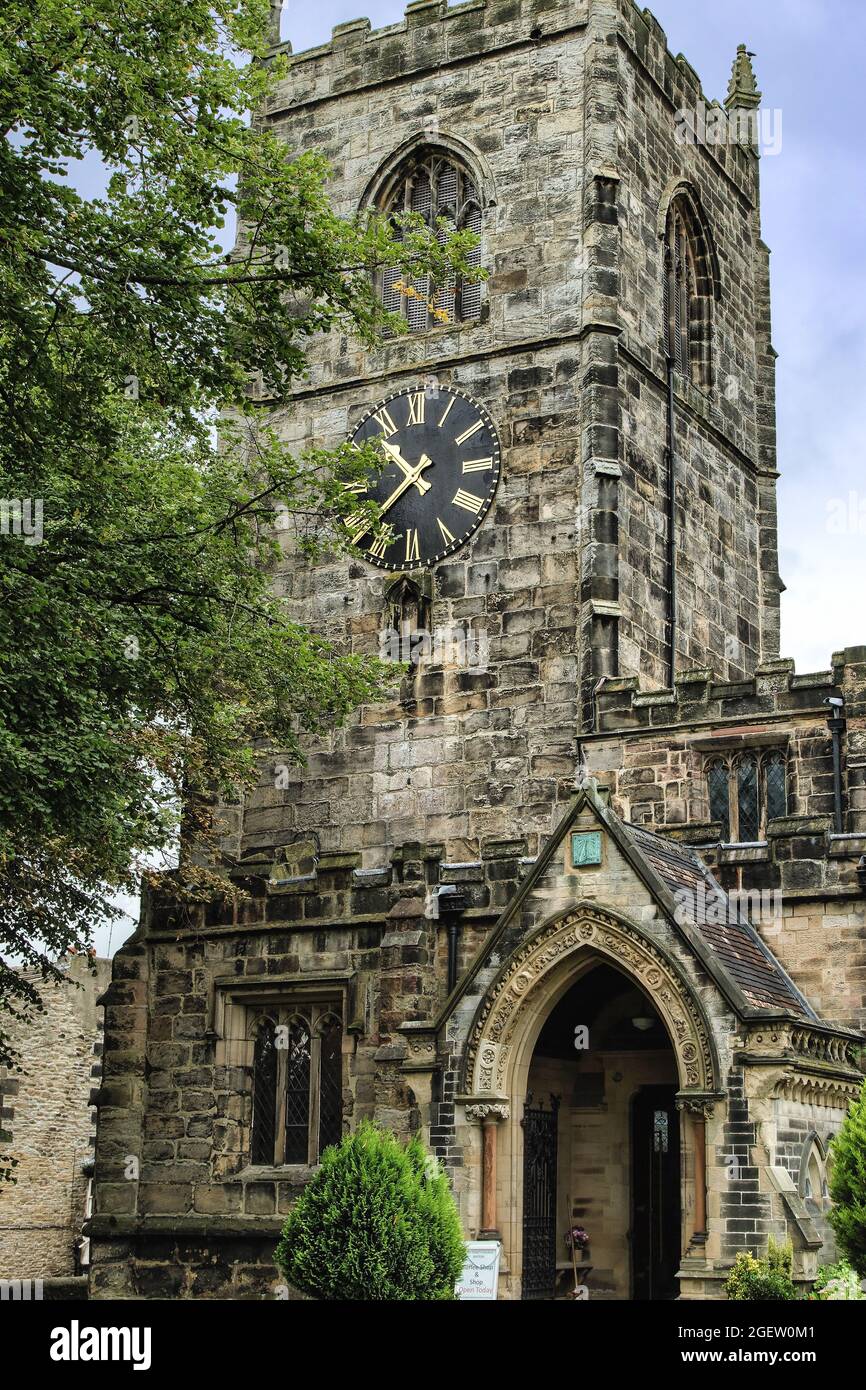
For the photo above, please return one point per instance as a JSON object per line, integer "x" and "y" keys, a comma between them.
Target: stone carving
{"x": 498, "y": 1109}
{"x": 515, "y": 991}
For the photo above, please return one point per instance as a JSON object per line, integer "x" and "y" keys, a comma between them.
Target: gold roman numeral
{"x": 384, "y": 421}
{"x": 412, "y": 552}
{"x": 467, "y": 434}
{"x": 416, "y": 409}
{"x": 467, "y": 500}
{"x": 476, "y": 465}
{"x": 379, "y": 547}
{"x": 446, "y": 534}
{"x": 447, "y": 408}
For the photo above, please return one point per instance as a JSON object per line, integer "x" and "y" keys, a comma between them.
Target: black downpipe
{"x": 836, "y": 724}
{"x": 452, "y": 953}
{"x": 671, "y": 532}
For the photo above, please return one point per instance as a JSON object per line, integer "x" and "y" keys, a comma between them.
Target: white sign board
{"x": 480, "y": 1277}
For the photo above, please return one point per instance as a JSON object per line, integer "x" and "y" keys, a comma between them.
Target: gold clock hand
{"x": 411, "y": 477}
{"x": 394, "y": 453}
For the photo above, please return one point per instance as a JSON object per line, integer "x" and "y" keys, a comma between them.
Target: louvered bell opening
{"x": 421, "y": 202}
{"x": 446, "y": 208}
{"x": 298, "y": 1093}
{"x": 470, "y": 294}
{"x": 719, "y": 789}
{"x": 777, "y": 793}
{"x": 748, "y": 816}
{"x": 392, "y": 275}
{"x": 330, "y": 1084}
{"x": 264, "y": 1095}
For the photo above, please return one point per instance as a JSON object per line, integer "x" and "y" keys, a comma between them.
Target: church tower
{"x": 601, "y": 408}
{"x": 544, "y": 828}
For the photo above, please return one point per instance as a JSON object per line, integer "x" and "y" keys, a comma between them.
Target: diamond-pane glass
{"x": 777, "y": 794}
{"x": 264, "y": 1095}
{"x": 330, "y": 1083}
{"x": 748, "y": 817}
{"x": 298, "y": 1092}
{"x": 719, "y": 789}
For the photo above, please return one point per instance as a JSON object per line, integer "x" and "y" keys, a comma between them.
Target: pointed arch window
{"x": 813, "y": 1183}
{"x": 689, "y": 290}
{"x": 434, "y": 185}
{"x": 297, "y": 1082}
{"x": 746, "y": 791}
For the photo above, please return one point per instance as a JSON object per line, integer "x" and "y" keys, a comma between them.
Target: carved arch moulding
{"x": 532, "y": 974}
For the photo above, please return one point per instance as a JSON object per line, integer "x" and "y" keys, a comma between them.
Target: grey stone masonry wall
{"x": 461, "y": 755}
{"x": 652, "y": 749}
{"x": 725, "y": 432}
{"x": 48, "y": 1125}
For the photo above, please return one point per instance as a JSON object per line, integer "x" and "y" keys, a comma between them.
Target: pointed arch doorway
{"x": 627, "y": 1165}
{"x": 602, "y": 1088}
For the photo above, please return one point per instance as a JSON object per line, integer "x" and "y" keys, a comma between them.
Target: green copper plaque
{"x": 585, "y": 848}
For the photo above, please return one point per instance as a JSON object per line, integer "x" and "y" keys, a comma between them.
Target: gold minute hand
{"x": 411, "y": 477}
{"x": 394, "y": 453}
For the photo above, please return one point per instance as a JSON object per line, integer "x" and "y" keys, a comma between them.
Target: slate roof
{"x": 733, "y": 940}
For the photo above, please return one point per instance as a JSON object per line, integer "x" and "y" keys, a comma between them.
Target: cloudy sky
{"x": 810, "y": 59}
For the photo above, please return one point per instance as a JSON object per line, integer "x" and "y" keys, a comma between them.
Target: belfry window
{"x": 297, "y": 1083}
{"x": 745, "y": 792}
{"x": 438, "y": 189}
{"x": 688, "y": 293}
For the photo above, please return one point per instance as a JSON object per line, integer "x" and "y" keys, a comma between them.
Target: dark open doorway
{"x": 601, "y": 1069}
{"x": 655, "y": 1210}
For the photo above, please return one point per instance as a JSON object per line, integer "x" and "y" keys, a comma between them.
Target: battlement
{"x": 697, "y": 698}
{"x": 434, "y": 35}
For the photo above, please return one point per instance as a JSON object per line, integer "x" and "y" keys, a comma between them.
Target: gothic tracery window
{"x": 434, "y": 185}
{"x": 297, "y": 1083}
{"x": 688, "y": 293}
{"x": 746, "y": 791}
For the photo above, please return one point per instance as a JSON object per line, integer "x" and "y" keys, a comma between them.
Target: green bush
{"x": 376, "y": 1222}
{"x": 766, "y": 1280}
{"x": 838, "y": 1281}
{"x": 848, "y": 1185}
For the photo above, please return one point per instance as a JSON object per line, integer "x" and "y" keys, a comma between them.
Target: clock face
{"x": 442, "y": 464}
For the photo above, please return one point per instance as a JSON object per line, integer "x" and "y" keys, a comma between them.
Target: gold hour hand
{"x": 411, "y": 476}
{"x": 394, "y": 454}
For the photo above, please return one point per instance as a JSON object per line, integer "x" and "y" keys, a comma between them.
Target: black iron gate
{"x": 539, "y": 1198}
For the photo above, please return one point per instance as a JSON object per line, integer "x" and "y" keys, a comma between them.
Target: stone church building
{"x": 583, "y": 901}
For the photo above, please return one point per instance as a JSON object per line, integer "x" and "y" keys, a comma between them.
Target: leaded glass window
{"x": 297, "y": 1082}
{"x": 748, "y": 814}
{"x": 720, "y": 805}
{"x": 745, "y": 791}
{"x": 775, "y": 777}
{"x": 264, "y": 1092}
{"x": 298, "y": 1073}
{"x": 330, "y": 1082}
{"x": 435, "y": 187}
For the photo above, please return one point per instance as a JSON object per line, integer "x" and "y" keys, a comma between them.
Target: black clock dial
{"x": 441, "y": 469}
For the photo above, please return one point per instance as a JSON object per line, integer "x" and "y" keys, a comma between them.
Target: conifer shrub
{"x": 765, "y": 1280}
{"x": 377, "y": 1221}
{"x": 848, "y": 1185}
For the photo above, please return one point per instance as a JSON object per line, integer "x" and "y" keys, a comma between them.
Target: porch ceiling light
{"x": 643, "y": 1024}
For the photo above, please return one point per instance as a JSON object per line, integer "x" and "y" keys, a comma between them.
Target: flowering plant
{"x": 577, "y": 1238}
